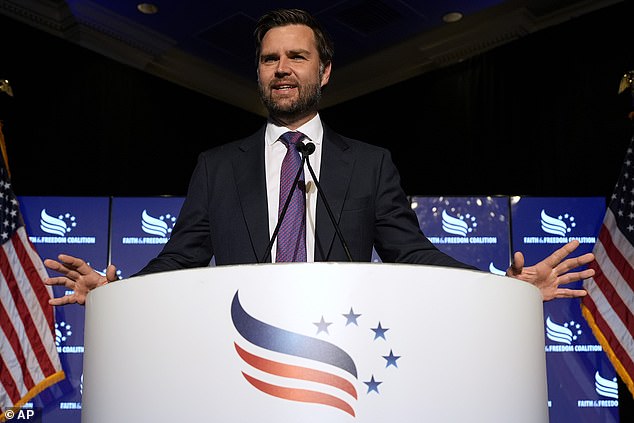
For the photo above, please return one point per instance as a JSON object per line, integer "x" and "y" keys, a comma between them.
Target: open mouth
{"x": 283, "y": 87}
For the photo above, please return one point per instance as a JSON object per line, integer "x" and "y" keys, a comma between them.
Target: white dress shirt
{"x": 274, "y": 153}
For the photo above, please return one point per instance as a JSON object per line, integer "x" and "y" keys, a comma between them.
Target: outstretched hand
{"x": 553, "y": 271}
{"x": 78, "y": 276}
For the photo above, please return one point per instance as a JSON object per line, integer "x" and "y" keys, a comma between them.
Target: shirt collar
{"x": 313, "y": 129}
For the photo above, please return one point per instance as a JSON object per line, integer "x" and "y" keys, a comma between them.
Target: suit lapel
{"x": 336, "y": 165}
{"x": 250, "y": 179}
{"x": 250, "y": 176}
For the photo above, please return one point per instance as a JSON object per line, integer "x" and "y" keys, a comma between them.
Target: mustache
{"x": 283, "y": 81}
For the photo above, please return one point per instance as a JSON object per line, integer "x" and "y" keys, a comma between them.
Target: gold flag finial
{"x": 626, "y": 81}
{"x": 6, "y": 87}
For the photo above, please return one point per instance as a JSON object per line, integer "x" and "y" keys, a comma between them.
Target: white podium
{"x": 315, "y": 342}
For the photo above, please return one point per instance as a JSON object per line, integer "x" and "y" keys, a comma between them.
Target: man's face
{"x": 289, "y": 77}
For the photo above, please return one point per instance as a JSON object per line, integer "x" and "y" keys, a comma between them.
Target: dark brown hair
{"x": 283, "y": 17}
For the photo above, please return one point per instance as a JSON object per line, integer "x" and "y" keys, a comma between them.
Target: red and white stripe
{"x": 609, "y": 305}
{"x": 29, "y": 359}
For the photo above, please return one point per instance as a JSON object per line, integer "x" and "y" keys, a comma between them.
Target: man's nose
{"x": 283, "y": 67}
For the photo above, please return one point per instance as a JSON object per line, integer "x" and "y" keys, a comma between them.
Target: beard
{"x": 309, "y": 98}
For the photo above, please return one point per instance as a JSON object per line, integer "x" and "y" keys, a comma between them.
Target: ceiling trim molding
{"x": 95, "y": 28}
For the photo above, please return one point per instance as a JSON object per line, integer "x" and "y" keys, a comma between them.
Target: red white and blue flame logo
{"x": 277, "y": 359}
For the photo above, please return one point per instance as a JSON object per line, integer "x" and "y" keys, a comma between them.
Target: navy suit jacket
{"x": 225, "y": 213}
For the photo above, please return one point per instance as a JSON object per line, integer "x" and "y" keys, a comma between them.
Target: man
{"x": 234, "y": 197}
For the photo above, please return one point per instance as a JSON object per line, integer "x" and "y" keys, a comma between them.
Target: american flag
{"x": 29, "y": 362}
{"x": 609, "y": 305}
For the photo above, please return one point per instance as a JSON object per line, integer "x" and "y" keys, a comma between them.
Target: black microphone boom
{"x": 306, "y": 150}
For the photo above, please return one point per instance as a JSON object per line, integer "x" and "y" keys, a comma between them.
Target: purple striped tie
{"x": 291, "y": 238}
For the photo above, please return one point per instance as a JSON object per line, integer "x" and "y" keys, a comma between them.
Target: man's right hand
{"x": 78, "y": 276}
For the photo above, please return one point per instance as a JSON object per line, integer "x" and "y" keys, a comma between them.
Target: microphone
{"x": 301, "y": 148}
{"x": 306, "y": 150}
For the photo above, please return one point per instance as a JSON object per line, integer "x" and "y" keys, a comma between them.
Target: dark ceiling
{"x": 207, "y": 45}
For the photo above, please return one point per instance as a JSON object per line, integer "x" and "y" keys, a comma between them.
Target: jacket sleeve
{"x": 190, "y": 243}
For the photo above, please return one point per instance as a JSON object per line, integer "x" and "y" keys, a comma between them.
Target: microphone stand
{"x": 306, "y": 151}
{"x": 286, "y": 203}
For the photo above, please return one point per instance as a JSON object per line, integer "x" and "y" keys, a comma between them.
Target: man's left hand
{"x": 553, "y": 271}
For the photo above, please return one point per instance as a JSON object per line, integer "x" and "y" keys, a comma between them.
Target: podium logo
{"x": 161, "y": 226}
{"x": 296, "y": 367}
{"x": 561, "y": 225}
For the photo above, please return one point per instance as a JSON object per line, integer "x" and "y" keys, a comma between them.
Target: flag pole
{"x": 5, "y": 87}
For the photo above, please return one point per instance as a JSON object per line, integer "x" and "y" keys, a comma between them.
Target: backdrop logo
{"x": 562, "y": 225}
{"x": 563, "y": 334}
{"x": 297, "y": 367}
{"x": 161, "y": 227}
{"x": 606, "y": 387}
{"x": 495, "y": 270}
{"x": 60, "y": 225}
{"x": 59, "y": 229}
{"x": 462, "y": 226}
{"x": 561, "y": 229}
{"x": 566, "y": 336}
{"x": 63, "y": 332}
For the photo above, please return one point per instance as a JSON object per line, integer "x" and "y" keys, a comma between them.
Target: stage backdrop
{"x": 482, "y": 231}
{"x": 582, "y": 383}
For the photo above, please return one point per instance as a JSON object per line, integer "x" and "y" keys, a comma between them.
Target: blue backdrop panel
{"x": 582, "y": 384}
{"x": 474, "y": 230}
{"x": 140, "y": 228}
{"x": 77, "y": 226}
{"x": 581, "y": 381}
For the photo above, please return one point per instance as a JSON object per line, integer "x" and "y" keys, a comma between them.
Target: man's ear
{"x": 325, "y": 77}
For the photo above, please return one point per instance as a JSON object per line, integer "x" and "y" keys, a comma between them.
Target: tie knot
{"x": 291, "y": 137}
